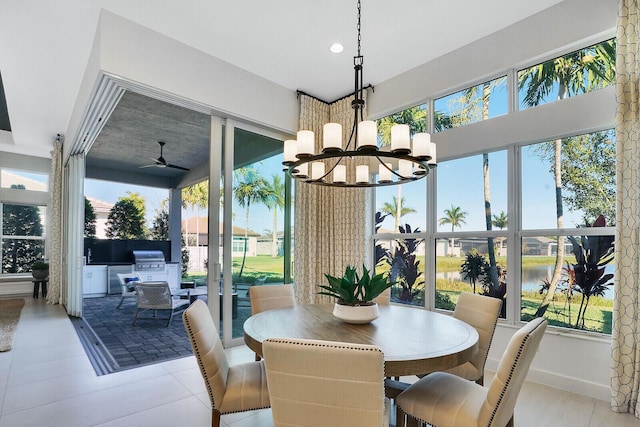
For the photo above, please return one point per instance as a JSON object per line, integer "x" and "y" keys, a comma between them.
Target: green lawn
{"x": 254, "y": 267}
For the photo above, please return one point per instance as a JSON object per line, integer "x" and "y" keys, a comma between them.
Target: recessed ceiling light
{"x": 336, "y": 48}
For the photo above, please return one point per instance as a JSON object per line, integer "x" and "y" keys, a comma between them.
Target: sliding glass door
{"x": 252, "y": 225}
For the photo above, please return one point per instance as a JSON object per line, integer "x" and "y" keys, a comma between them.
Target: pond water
{"x": 532, "y": 277}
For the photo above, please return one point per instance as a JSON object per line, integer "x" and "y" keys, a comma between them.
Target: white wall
{"x": 573, "y": 362}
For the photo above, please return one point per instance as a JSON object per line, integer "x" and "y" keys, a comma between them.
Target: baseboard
{"x": 16, "y": 287}
{"x": 562, "y": 382}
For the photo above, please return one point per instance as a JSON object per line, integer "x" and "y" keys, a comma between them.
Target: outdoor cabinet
{"x": 94, "y": 280}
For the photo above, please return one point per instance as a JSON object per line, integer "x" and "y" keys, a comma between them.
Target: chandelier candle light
{"x": 404, "y": 161}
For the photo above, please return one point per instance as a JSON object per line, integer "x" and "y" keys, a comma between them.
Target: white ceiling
{"x": 44, "y": 45}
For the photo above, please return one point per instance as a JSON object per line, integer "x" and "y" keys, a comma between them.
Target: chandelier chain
{"x": 359, "y": 38}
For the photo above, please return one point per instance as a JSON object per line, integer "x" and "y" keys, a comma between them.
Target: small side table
{"x": 40, "y": 284}
{"x": 191, "y": 294}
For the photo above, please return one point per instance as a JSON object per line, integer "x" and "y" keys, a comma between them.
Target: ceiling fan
{"x": 160, "y": 162}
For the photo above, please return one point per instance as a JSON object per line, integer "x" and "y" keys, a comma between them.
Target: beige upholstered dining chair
{"x": 156, "y": 296}
{"x": 447, "y": 400}
{"x": 482, "y": 313}
{"x": 236, "y": 388}
{"x": 271, "y": 297}
{"x": 325, "y": 383}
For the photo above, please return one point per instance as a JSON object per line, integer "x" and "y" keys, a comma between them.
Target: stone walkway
{"x": 149, "y": 341}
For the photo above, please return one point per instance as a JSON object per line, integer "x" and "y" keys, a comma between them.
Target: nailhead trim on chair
{"x": 506, "y": 384}
{"x": 206, "y": 380}
{"x": 513, "y": 367}
{"x": 333, "y": 345}
{"x": 198, "y": 358}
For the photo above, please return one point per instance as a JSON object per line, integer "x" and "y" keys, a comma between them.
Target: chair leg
{"x": 399, "y": 416}
{"x": 121, "y": 301}
{"x": 215, "y": 419}
{"x": 258, "y": 358}
{"x": 135, "y": 318}
{"x": 170, "y": 317}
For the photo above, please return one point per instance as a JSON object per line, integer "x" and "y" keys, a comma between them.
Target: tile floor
{"x": 47, "y": 380}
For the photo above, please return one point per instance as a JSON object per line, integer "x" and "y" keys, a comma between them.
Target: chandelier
{"x": 356, "y": 164}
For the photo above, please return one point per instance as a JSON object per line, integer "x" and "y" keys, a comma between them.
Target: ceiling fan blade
{"x": 177, "y": 167}
{"x": 160, "y": 162}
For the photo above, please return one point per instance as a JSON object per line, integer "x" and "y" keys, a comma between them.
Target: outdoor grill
{"x": 148, "y": 261}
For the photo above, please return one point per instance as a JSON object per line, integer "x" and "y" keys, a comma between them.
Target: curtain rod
{"x": 300, "y": 92}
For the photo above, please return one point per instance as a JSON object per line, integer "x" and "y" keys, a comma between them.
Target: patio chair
{"x": 231, "y": 388}
{"x": 242, "y": 290}
{"x": 156, "y": 296}
{"x": 127, "y": 283}
{"x": 325, "y": 383}
{"x": 447, "y": 400}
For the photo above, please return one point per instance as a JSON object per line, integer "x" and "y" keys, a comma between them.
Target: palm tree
{"x": 397, "y": 210}
{"x": 249, "y": 188}
{"x": 195, "y": 196}
{"x": 454, "y": 216}
{"x": 576, "y": 72}
{"x": 475, "y": 102}
{"x": 500, "y": 221}
{"x": 275, "y": 202}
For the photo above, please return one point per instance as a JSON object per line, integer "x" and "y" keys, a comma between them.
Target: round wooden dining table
{"x": 413, "y": 340}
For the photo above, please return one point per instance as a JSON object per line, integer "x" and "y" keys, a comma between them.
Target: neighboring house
{"x": 530, "y": 246}
{"x": 196, "y": 232}
{"x": 265, "y": 242}
{"x": 101, "y": 210}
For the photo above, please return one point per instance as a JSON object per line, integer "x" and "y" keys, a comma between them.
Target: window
{"x": 239, "y": 245}
{"x": 468, "y": 189}
{"x": 568, "y": 277}
{"x": 472, "y": 224}
{"x": 587, "y": 178}
{"x": 403, "y": 260}
{"x": 536, "y": 251}
{"x": 480, "y": 102}
{"x": 401, "y": 212}
{"x": 22, "y": 237}
{"x": 577, "y": 72}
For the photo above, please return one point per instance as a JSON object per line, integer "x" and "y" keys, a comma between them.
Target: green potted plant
{"x": 355, "y": 294}
{"x": 40, "y": 270}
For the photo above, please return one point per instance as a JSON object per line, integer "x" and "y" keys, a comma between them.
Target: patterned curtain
{"x": 332, "y": 225}
{"x": 54, "y": 233}
{"x": 625, "y": 376}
